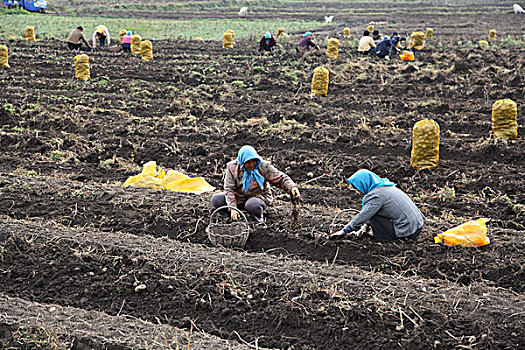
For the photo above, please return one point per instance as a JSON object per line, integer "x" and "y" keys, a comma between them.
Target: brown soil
{"x": 72, "y": 237}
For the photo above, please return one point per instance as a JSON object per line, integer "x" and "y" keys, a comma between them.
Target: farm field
{"x": 88, "y": 264}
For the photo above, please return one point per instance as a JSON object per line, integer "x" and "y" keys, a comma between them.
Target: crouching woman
{"x": 246, "y": 184}
{"x": 387, "y": 209}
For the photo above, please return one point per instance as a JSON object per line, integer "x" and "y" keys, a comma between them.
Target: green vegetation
{"x": 60, "y": 26}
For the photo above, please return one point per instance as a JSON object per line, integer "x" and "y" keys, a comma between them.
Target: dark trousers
{"x": 126, "y": 47}
{"x": 255, "y": 206}
{"x": 102, "y": 41}
{"x": 383, "y": 229}
{"x": 72, "y": 46}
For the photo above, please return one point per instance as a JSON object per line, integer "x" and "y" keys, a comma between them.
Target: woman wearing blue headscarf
{"x": 246, "y": 184}
{"x": 387, "y": 209}
{"x": 267, "y": 43}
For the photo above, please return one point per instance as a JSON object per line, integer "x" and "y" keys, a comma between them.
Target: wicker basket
{"x": 234, "y": 234}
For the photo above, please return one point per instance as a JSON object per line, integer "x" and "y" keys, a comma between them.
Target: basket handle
{"x": 230, "y": 207}
{"x": 342, "y": 211}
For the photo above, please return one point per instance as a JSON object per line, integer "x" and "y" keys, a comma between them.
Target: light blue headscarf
{"x": 245, "y": 154}
{"x": 365, "y": 181}
{"x": 267, "y": 35}
{"x": 307, "y": 34}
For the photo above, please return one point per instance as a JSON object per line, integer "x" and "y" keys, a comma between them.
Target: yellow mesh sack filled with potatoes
{"x": 492, "y": 34}
{"x": 425, "y": 145}
{"x": 146, "y": 50}
{"x": 417, "y": 40}
{"x": 346, "y": 32}
{"x": 429, "y": 33}
{"x": 121, "y": 35}
{"x": 4, "y": 57}
{"x": 82, "y": 70}
{"x": 30, "y": 34}
{"x": 135, "y": 44}
{"x": 320, "y": 81}
{"x": 504, "y": 119}
{"x": 227, "y": 40}
{"x": 332, "y": 50}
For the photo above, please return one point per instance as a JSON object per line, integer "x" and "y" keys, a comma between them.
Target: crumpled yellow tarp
{"x": 4, "y": 57}
{"x": 407, "y": 55}
{"x": 157, "y": 179}
{"x": 469, "y": 234}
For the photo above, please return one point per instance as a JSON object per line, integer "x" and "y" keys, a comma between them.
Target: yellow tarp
{"x": 407, "y": 55}
{"x": 469, "y": 234}
{"x": 157, "y": 179}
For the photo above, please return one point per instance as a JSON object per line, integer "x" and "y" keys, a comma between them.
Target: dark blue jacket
{"x": 383, "y": 47}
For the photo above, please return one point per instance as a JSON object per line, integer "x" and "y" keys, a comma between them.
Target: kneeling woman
{"x": 387, "y": 209}
{"x": 246, "y": 184}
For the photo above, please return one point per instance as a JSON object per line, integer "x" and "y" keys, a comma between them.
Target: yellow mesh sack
{"x": 425, "y": 145}
{"x": 146, "y": 50}
{"x": 346, "y": 32}
{"x": 135, "y": 44}
{"x": 470, "y": 234}
{"x": 82, "y": 67}
{"x": 483, "y": 44}
{"x": 492, "y": 34}
{"x": 504, "y": 119}
{"x": 121, "y": 35}
{"x": 30, "y": 34}
{"x": 370, "y": 28}
{"x": 429, "y": 33}
{"x": 417, "y": 40}
{"x": 232, "y": 32}
{"x": 198, "y": 38}
{"x": 320, "y": 81}
{"x": 280, "y": 32}
{"x": 4, "y": 57}
{"x": 332, "y": 50}
{"x": 227, "y": 40}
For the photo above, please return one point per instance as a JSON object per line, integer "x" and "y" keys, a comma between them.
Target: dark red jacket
{"x": 267, "y": 44}
{"x": 307, "y": 42}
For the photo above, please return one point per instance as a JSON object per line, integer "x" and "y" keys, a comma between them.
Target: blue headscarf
{"x": 245, "y": 154}
{"x": 307, "y": 34}
{"x": 129, "y": 33}
{"x": 267, "y": 35}
{"x": 365, "y": 181}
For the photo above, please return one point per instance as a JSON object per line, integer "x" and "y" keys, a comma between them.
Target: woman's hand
{"x": 295, "y": 192}
{"x": 234, "y": 214}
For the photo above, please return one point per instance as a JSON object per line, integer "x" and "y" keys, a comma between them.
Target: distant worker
{"x": 398, "y": 43}
{"x": 247, "y": 184}
{"x": 376, "y": 36}
{"x": 307, "y": 42}
{"x": 384, "y": 48}
{"x": 267, "y": 43}
{"x": 387, "y": 209}
{"x": 126, "y": 41}
{"x": 366, "y": 44}
{"x": 101, "y": 34}
{"x": 73, "y": 41}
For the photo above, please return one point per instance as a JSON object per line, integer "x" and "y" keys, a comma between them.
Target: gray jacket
{"x": 393, "y": 204}
{"x": 233, "y": 183}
